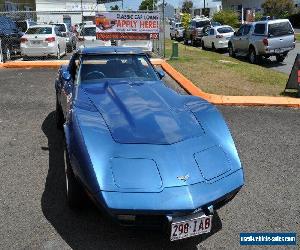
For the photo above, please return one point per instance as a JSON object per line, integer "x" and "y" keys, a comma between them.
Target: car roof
{"x": 110, "y": 50}
{"x": 42, "y": 25}
{"x": 272, "y": 21}
{"x": 89, "y": 26}
{"x": 222, "y": 26}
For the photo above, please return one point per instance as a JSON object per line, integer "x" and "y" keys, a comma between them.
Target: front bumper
{"x": 171, "y": 201}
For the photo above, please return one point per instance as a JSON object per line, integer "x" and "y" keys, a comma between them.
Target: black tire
{"x": 280, "y": 58}
{"x": 59, "y": 117}
{"x": 74, "y": 191}
{"x": 213, "y": 47}
{"x": 58, "y": 56}
{"x": 231, "y": 51}
{"x": 6, "y": 53}
{"x": 69, "y": 48}
{"x": 252, "y": 57}
{"x": 185, "y": 41}
{"x": 203, "y": 45}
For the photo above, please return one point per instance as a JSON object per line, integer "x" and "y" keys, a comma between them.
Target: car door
{"x": 236, "y": 39}
{"x": 244, "y": 41}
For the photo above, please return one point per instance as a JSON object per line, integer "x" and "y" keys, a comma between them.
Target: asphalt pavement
{"x": 33, "y": 209}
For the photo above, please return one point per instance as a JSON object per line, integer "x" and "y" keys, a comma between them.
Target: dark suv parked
{"x": 10, "y": 38}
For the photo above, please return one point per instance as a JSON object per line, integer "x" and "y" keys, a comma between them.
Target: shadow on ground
{"x": 88, "y": 228}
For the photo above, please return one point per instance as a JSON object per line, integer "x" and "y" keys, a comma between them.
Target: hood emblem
{"x": 183, "y": 178}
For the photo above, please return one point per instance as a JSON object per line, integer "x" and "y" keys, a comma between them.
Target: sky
{"x": 134, "y": 4}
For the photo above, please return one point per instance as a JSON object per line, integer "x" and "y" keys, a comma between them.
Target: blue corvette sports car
{"x": 140, "y": 151}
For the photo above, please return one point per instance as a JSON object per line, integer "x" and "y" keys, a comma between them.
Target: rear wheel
{"x": 69, "y": 48}
{"x": 253, "y": 58}
{"x": 280, "y": 58}
{"x": 58, "y": 53}
{"x": 74, "y": 191}
{"x": 231, "y": 51}
{"x": 213, "y": 47}
{"x": 6, "y": 54}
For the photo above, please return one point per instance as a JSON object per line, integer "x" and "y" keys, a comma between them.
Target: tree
{"x": 147, "y": 4}
{"x": 185, "y": 20}
{"x": 187, "y": 6}
{"x": 228, "y": 17}
{"x": 116, "y": 7}
{"x": 278, "y": 8}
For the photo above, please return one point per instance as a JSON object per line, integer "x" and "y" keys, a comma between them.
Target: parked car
{"x": 263, "y": 39}
{"x": 215, "y": 24}
{"x": 145, "y": 45}
{"x": 87, "y": 37}
{"x": 70, "y": 37}
{"x": 177, "y": 31}
{"x": 24, "y": 25}
{"x": 43, "y": 40}
{"x": 10, "y": 38}
{"x": 143, "y": 153}
{"x": 217, "y": 37}
{"x": 194, "y": 32}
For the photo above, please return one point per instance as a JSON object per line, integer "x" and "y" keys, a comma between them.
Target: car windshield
{"x": 22, "y": 25}
{"x": 90, "y": 31}
{"x": 200, "y": 24}
{"x": 39, "y": 30}
{"x": 101, "y": 67}
{"x": 61, "y": 27}
{"x": 225, "y": 30}
{"x": 280, "y": 29}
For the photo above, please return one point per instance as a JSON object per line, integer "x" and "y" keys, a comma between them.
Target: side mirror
{"x": 66, "y": 76}
{"x": 161, "y": 74}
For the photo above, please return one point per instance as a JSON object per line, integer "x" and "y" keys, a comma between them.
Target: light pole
{"x": 204, "y": 7}
{"x": 164, "y": 29}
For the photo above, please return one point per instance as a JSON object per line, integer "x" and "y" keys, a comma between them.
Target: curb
{"x": 229, "y": 100}
{"x": 184, "y": 83}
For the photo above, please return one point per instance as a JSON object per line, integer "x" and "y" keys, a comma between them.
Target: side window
{"x": 247, "y": 29}
{"x": 240, "y": 31}
{"x": 211, "y": 32}
{"x": 260, "y": 29}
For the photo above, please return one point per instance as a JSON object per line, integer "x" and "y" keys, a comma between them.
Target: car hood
{"x": 139, "y": 113}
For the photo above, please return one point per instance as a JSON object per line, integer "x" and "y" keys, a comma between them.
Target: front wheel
{"x": 231, "y": 51}
{"x": 59, "y": 117}
{"x": 74, "y": 191}
{"x": 280, "y": 58}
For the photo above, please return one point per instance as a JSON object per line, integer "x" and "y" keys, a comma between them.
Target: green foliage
{"x": 187, "y": 5}
{"x": 278, "y": 8}
{"x": 185, "y": 20}
{"x": 116, "y": 7}
{"x": 258, "y": 16}
{"x": 147, "y": 4}
{"x": 227, "y": 17}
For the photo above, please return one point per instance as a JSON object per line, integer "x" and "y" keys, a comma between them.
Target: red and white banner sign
{"x": 127, "y": 25}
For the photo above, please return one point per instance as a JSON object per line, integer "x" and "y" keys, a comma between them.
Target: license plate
{"x": 36, "y": 42}
{"x": 192, "y": 227}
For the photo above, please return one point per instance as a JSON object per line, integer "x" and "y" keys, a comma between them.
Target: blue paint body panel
{"x": 129, "y": 142}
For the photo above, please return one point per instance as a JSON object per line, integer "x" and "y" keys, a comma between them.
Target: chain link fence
{"x": 31, "y": 35}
